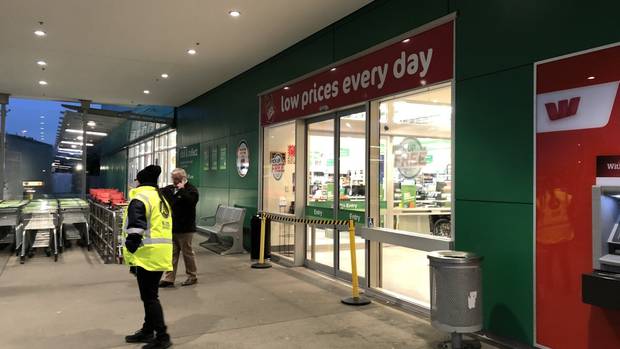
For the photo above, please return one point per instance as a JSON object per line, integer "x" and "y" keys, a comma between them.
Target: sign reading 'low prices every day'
{"x": 422, "y": 59}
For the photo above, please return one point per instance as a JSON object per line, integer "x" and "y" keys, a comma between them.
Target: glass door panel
{"x": 352, "y": 186}
{"x": 320, "y": 190}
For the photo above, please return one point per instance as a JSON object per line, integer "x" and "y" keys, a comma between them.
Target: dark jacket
{"x": 183, "y": 204}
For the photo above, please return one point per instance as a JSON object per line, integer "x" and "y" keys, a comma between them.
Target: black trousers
{"x": 148, "y": 282}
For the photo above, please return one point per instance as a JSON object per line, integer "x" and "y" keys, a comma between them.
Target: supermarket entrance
{"x": 336, "y": 189}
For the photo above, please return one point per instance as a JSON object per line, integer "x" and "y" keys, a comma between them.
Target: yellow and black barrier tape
{"x": 311, "y": 221}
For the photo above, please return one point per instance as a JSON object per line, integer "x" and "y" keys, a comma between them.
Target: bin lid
{"x": 454, "y": 257}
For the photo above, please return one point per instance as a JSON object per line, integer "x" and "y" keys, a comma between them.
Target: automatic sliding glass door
{"x": 336, "y": 189}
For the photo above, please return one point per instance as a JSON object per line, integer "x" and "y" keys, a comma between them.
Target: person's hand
{"x": 181, "y": 184}
{"x": 133, "y": 242}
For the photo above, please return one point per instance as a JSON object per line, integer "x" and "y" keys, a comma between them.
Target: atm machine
{"x": 601, "y": 287}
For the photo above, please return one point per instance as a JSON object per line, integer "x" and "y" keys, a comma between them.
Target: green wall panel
{"x": 496, "y": 35}
{"x": 209, "y": 199}
{"x": 244, "y": 197}
{"x": 214, "y": 178}
{"x": 114, "y": 174}
{"x": 503, "y": 235}
{"x": 117, "y": 139}
{"x": 387, "y": 20}
{"x": 250, "y": 181}
{"x": 494, "y": 137}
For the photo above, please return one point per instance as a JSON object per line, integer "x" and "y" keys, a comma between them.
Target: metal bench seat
{"x": 227, "y": 221}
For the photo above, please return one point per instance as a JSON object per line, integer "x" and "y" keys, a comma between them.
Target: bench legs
{"x": 214, "y": 240}
{"x": 237, "y": 246}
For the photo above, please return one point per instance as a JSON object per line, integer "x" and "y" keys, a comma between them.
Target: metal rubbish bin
{"x": 255, "y": 223}
{"x": 456, "y": 292}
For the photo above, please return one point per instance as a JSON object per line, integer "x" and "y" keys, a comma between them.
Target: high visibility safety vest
{"x": 155, "y": 252}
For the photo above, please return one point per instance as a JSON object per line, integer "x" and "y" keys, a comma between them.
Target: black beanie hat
{"x": 149, "y": 175}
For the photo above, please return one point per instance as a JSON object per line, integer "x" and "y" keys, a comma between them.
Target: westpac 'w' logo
{"x": 562, "y": 109}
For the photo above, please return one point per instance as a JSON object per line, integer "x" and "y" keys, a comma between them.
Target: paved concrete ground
{"x": 81, "y": 303}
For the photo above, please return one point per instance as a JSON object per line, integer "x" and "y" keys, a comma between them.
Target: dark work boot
{"x": 141, "y": 336}
{"x": 162, "y": 341}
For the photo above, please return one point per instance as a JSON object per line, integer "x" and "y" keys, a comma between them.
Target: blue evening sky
{"x": 39, "y": 118}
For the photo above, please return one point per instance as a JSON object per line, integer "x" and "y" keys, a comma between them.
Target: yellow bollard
{"x": 356, "y": 299}
{"x": 261, "y": 256}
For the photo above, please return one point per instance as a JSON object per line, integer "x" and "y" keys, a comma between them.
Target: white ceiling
{"x": 109, "y": 51}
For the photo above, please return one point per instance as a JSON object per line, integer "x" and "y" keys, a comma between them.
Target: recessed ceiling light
{"x": 42, "y": 63}
{"x": 164, "y": 75}
{"x": 43, "y": 82}
{"x": 435, "y": 101}
{"x": 39, "y": 33}
{"x": 74, "y": 144}
{"x": 146, "y": 92}
{"x": 332, "y": 69}
{"x": 406, "y": 41}
{"x": 93, "y": 133}
{"x": 234, "y": 13}
{"x": 191, "y": 51}
{"x": 91, "y": 123}
{"x": 591, "y": 77}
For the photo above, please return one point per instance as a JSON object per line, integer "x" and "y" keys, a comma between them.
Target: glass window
{"x": 172, "y": 139}
{"x": 415, "y": 162}
{"x": 320, "y": 183}
{"x": 320, "y": 189}
{"x": 415, "y": 184}
{"x": 172, "y": 161}
{"x": 404, "y": 272}
{"x": 159, "y": 150}
{"x": 279, "y": 184}
{"x": 279, "y": 169}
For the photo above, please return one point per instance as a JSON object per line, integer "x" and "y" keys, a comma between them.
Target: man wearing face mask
{"x": 183, "y": 197}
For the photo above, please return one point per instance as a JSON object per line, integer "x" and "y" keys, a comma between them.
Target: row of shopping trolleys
{"x": 45, "y": 224}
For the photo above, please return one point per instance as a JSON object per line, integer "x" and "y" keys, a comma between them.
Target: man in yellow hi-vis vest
{"x": 147, "y": 231}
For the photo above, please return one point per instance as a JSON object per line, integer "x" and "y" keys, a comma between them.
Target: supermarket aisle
{"x": 81, "y": 303}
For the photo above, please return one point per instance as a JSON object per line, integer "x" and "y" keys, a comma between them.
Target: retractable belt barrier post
{"x": 261, "y": 259}
{"x": 356, "y": 298}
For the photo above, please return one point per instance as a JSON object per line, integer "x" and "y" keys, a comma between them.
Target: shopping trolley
{"x": 10, "y": 222}
{"x": 73, "y": 222}
{"x": 39, "y": 231}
